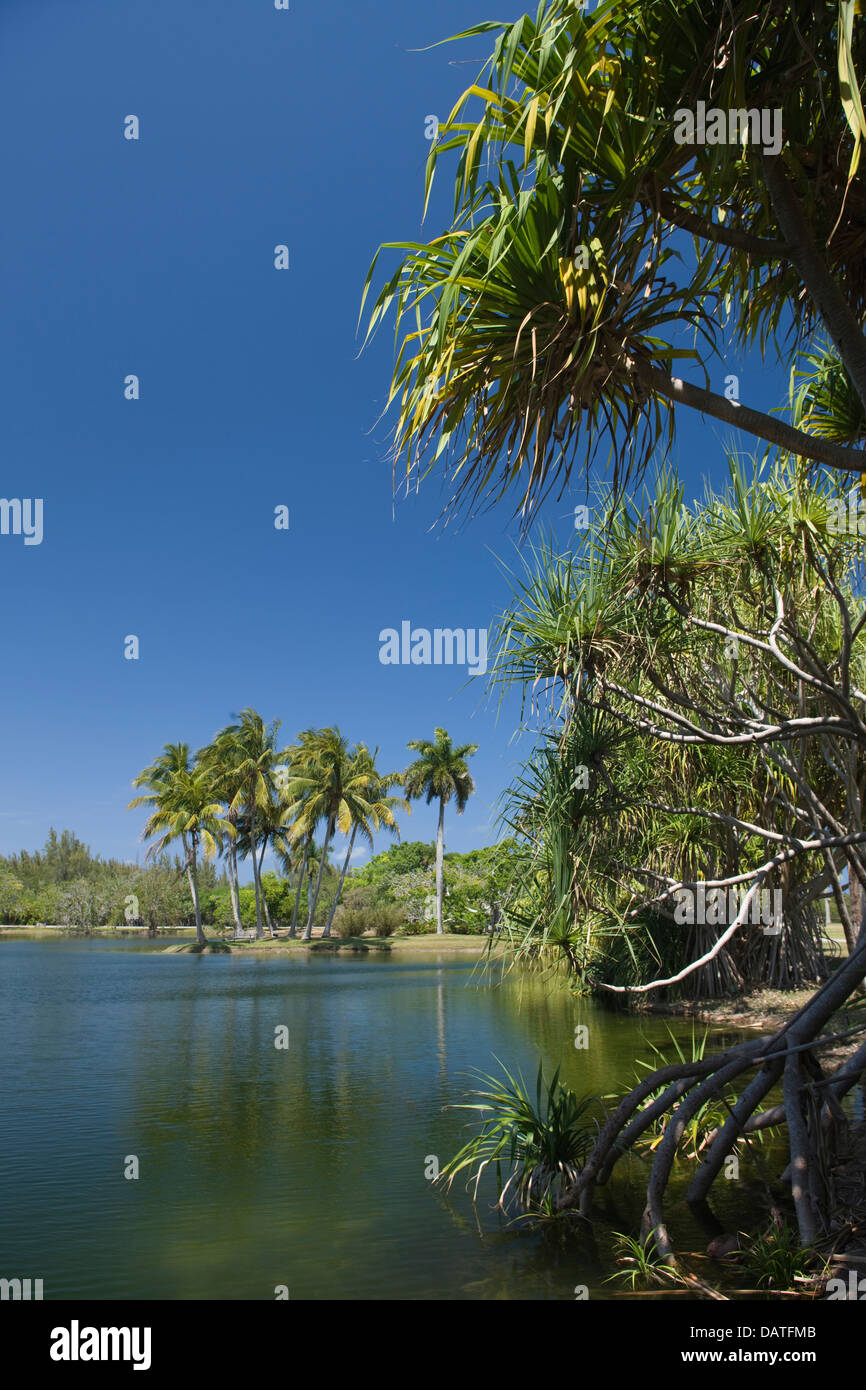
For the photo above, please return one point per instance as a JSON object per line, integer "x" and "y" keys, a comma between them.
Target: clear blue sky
{"x": 155, "y": 257}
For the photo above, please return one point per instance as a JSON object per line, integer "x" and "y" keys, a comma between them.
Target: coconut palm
{"x": 220, "y": 767}
{"x": 369, "y": 808}
{"x": 249, "y": 755}
{"x": 183, "y": 807}
{"x": 317, "y": 788}
{"x": 440, "y": 774}
{"x": 270, "y": 830}
{"x": 294, "y": 793}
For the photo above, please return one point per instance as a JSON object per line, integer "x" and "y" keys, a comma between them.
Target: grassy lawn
{"x": 430, "y": 941}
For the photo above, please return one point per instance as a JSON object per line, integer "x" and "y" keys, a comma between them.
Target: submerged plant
{"x": 541, "y": 1141}
{"x": 709, "y": 1118}
{"x": 776, "y": 1258}
{"x": 643, "y": 1263}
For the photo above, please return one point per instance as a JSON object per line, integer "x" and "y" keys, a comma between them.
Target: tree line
{"x": 242, "y": 794}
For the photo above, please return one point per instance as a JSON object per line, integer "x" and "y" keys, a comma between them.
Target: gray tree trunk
{"x": 192, "y": 875}
{"x": 329, "y": 832}
{"x": 260, "y": 931}
{"x": 327, "y": 931}
{"x": 440, "y": 847}
{"x": 294, "y": 927}
{"x": 265, "y": 908}
{"x": 234, "y": 887}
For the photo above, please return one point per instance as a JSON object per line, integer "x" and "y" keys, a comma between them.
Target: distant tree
{"x": 440, "y": 774}
{"x": 368, "y": 808}
{"x": 182, "y": 808}
{"x": 401, "y": 858}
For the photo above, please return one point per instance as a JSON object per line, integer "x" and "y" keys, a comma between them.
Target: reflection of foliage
{"x": 543, "y": 1141}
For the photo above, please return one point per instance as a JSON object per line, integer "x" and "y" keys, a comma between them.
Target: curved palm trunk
{"x": 440, "y": 847}
{"x": 294, "y": 927}
{"x": 329, "y": 832}
{"x": 334, "y": 904}
{"x": 192, "y": 876}
{"x": 265, "y": 908}
{"x": 256, "y": 884}
{"x": 234, "y": 887}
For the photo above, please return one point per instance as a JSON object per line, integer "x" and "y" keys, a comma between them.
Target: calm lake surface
{"x": 262, "y": 1167}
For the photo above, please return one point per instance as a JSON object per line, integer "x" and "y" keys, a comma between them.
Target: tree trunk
{"x": 440, "y": 847}
{"x": 855, "y": 904}
{"x": 264, "y": 899}
{"x": 755, "y": 422}
{"x": 192, "y": 876}
{"x": 328, "y": 833}
{"x": 234, "y": 887}
{"x": 294, "y": 928}
{"x": 838, "y": 316}
{"x": 256, "y": 885}
{"x": 327, "y": 931}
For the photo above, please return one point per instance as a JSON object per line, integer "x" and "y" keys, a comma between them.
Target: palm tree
{"x": 369, "y": 807}
{"x": 183, "y": 807}
{"x": 294, "y": 795}
{"x": 220, "y": 766}
{"x": 270, "y": 829}
{"x": 250, "y": 755}
{"x": 440, "y": 773}
{"x": 329, "y": 786}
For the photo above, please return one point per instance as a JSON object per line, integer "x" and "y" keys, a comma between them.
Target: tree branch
{"x": 752, "y": 421}
{"x": 841, "y": 321}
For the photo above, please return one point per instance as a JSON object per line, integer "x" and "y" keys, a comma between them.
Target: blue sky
{"x": 155, "y": 257}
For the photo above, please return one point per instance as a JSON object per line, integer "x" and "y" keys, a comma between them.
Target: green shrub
{"x": 416, "y": 928}
{"x": 382, "y": 919}
{"x": 349, "y": 921}
{"x": 543, "y": 1140}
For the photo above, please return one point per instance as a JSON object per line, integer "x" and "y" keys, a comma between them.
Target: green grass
{"x": 415, "y": 944}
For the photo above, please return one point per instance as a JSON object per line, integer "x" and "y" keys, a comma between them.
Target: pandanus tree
{"x": 182, "y": 807}
{"x": 736, "y": 628}
{"x": 546, "y": 321}
{"x": 440, "y": 773}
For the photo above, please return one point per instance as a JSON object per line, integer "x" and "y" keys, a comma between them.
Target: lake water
{"x": 261, "y": 1167}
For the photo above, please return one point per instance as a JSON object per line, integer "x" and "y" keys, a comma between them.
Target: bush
{"x": 416, "y": 928}
{"x": 383, "y": 919}
{"x": 349, "y": 921}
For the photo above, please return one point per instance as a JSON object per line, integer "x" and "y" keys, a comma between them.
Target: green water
{"x": 261, "y": 1167}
